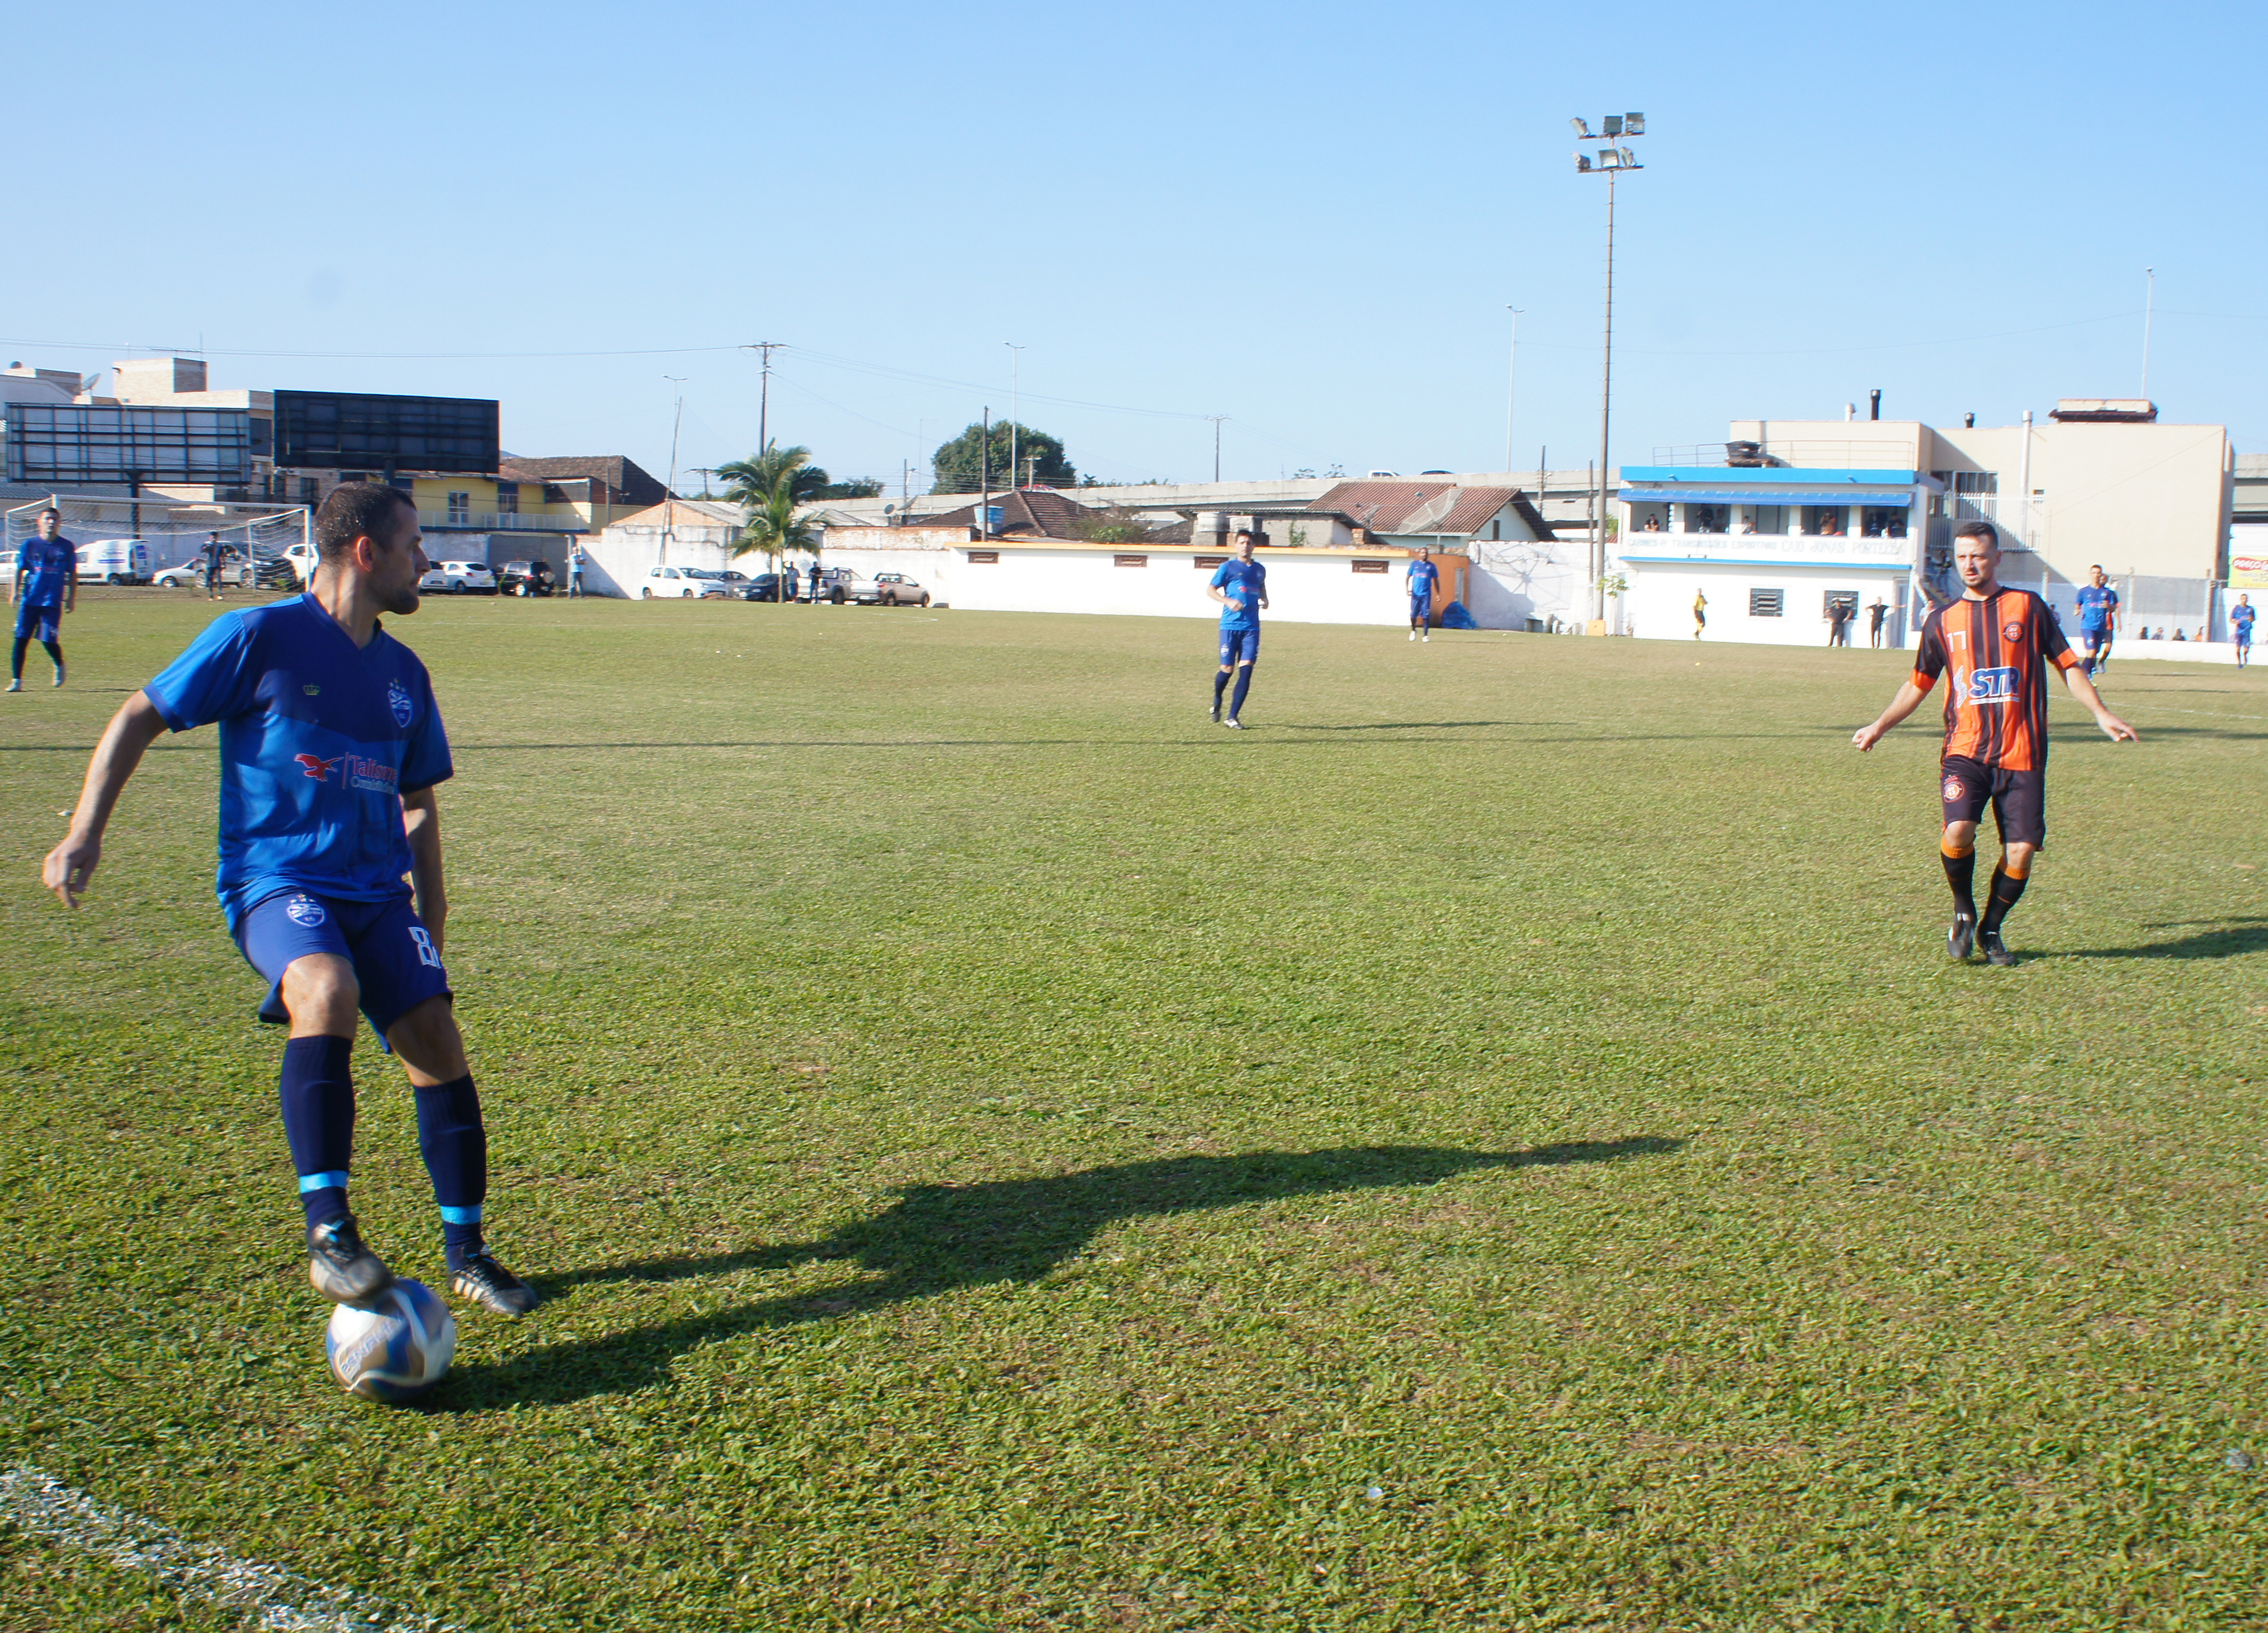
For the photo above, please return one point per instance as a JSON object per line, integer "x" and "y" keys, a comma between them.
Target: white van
{"x": 115, "y": 561}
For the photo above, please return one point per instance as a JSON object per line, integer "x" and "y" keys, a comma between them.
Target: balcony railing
{"x": 1884, "y": 455}
{"x": 501, "y": 521}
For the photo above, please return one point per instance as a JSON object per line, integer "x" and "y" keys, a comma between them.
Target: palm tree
{"x": 750, "y": 481}
{"x": 766, "y": 485}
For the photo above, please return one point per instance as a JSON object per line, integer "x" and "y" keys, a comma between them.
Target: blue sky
{"x": 1310, "y": 218}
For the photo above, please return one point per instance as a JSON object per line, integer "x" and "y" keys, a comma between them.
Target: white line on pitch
{"x": 276, "y": 1600}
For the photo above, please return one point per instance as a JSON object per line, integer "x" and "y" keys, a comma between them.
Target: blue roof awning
{"x": 1900, "y": 497}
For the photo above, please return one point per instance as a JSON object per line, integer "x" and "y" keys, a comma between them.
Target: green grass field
{"x": 1497, "y": 1145}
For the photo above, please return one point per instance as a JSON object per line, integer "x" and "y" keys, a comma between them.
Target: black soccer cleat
{"x": 1996, "y": 951}
{"x": 342, "y": 1270}
{"x": 492, "y": 1287}
{"x": 1216, "y": 711}
{"x": 1960, "y": 940}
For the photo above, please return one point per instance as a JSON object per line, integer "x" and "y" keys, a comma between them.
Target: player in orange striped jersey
{"x": 1998, "y": 644}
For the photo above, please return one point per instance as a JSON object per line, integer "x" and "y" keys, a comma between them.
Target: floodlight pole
{"x": 1216, "y": 419}
{"x": 1606, "y": 416}
{"x": 1015, "y": 406}
{"x": 669, "y": 492}
{"x": 1511, "y": 388}
{"x": 764, "y": 400}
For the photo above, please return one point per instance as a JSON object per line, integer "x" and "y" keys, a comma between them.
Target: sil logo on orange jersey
{"x": 2012, "y": 633}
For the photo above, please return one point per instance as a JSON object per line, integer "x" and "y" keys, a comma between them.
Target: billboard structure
{"x": 368, "y": 431}
{"x": 70, "y": 446}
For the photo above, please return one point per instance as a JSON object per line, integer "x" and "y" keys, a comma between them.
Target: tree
{"x": 855, "y": 487}
{"x": 767, "y": 486}
{"x": 749, "y": 482}
{"x": 959, "y": 464}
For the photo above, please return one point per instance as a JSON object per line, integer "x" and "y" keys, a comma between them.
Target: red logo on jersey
{"x": 2012, "y": 633}
{"x": 316, "y": 766}
{"x": 1954, "y": 788}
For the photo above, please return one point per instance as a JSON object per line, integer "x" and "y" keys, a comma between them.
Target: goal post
{"x": 174, "y": 530}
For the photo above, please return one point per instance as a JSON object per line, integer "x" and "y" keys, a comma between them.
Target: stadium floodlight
{"x": 1612, "y": 161}
{"x": 1582, "y": 129}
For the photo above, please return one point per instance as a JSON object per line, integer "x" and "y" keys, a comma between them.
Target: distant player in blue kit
{"x": 2098, "y": 619}
{"x": 1423, "y": 575}
{"x": 330, "y": 750}
{"x": 1241, "y": 585}
{"x": 46, "y": 586}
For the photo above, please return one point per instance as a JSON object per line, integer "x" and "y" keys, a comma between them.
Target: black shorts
{"x": 2018, "y": 799}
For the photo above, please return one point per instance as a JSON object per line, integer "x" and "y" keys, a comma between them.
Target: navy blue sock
{"x": 1219, "y": 685}
{"x": 16, "y": 659}
{"x": 456, "y": 1148}
{"x": 1243, "y": 685}
{"x": 317, "y": 1089}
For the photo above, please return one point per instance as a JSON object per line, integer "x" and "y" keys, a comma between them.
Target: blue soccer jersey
{"x": 47, "y": 565}
{"x": 1242, "y": 581}
{"x": 319, "y": 740}
{"x": 2096, "y": 603}
{"x": 1423, "y": 576}
{"x": 2240, "y": 623}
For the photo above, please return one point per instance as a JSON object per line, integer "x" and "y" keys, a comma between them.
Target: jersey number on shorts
{"x": 427, "y": 954}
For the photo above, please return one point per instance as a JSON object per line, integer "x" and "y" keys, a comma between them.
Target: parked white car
{"x": 671, "y": 584}
{"x": 115, "y": 561}
{"x": 457, "y": 579}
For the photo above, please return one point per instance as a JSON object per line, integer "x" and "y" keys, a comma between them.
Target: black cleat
{"x": 342, "y": 1270}
{"x": 1216, "y": 711}
{"x": 492, "y": 1287}
{"x": 1996, "y": 951}
{"x": 1960, "y": 940}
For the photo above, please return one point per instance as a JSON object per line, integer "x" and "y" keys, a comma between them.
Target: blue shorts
{"x": 1420, "y": 606}
{"x": 395, "y": 962}
{"x": 1239, "y": 647}
{"x": 2095, "y": 640}
{"x": 39, "y": 621}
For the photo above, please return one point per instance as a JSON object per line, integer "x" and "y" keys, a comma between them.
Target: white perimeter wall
{"x": 1516, "y": 579}
{"x": 1304, "y": 586}
{"x": 1660, "y": 603}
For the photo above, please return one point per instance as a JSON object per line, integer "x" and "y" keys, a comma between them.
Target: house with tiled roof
{"x": 1434, "y": 512}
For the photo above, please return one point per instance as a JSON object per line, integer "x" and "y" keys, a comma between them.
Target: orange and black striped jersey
{"x": 1996, "y": 705}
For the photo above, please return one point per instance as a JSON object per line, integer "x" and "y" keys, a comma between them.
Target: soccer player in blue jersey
{"x": 46, "y": 586}
{"x": 2098, "y": 619}
{"x": 1423, "y": 575}
{"x": 1241, "y": 585}
{"x": 2240, "y": 630}
{"x": 330, "y": 751}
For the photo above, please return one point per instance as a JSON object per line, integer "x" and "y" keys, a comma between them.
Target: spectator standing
{"x": 575, "y": 570}
{"x": 212, "y": 566}
{"x": 1875, "y": 613}
{"x": 1838, "y": 622}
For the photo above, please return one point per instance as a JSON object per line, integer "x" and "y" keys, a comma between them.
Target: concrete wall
{"x": 1660, "y": 604}
{"x": 1304, "y": 586}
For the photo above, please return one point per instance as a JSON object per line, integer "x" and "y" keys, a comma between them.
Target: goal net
{"x": 174, "y": 530}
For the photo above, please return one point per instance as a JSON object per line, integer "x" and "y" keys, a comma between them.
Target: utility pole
{"x": 1216, "y": 419}
{"x": 669, "y": 492}
{"x": 1511, "y": 386}
{"x": 984, "y": 474}
{"x": 764, "y": 401}
{"x": 2149, "y": 310}
{"x": 1015, "y": 404}
{"x": 704, "y": 472}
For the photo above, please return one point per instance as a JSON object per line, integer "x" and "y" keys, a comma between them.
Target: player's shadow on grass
{"x": 2227, "y": 938}
{"x": 938, "y": 1238}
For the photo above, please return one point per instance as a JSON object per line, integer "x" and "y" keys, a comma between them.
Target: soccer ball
{"x": 396, "y": 1347}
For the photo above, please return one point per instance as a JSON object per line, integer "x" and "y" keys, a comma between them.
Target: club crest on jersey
{"x": 317, "y": 767}
{"x": 1991, "y": 686}
{"x": 304, "y": 911}
{"x": 2011, "y": 632}
{"x": 397, "y": 698}
{"x": 1954, "y": 788}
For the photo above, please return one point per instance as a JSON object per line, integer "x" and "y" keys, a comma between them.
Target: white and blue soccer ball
{"x": 393, "y": 1347}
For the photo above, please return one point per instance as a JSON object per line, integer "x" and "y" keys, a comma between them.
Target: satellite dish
{"x": 890, "y": 510}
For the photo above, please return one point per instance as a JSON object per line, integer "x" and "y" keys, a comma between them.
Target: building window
{"x": 507, "y": 498}
{"x": 1205, "y": 563}
{"x": 308, "y": 490}
{"x": 1129, "y": 561}
{"x": 1369, "y": 567}
{"x": 1766, "y": 603}
{"x": 1770, "y": 519}
{"x": 984, "y": 558}
{"x": 461, "y": 508}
